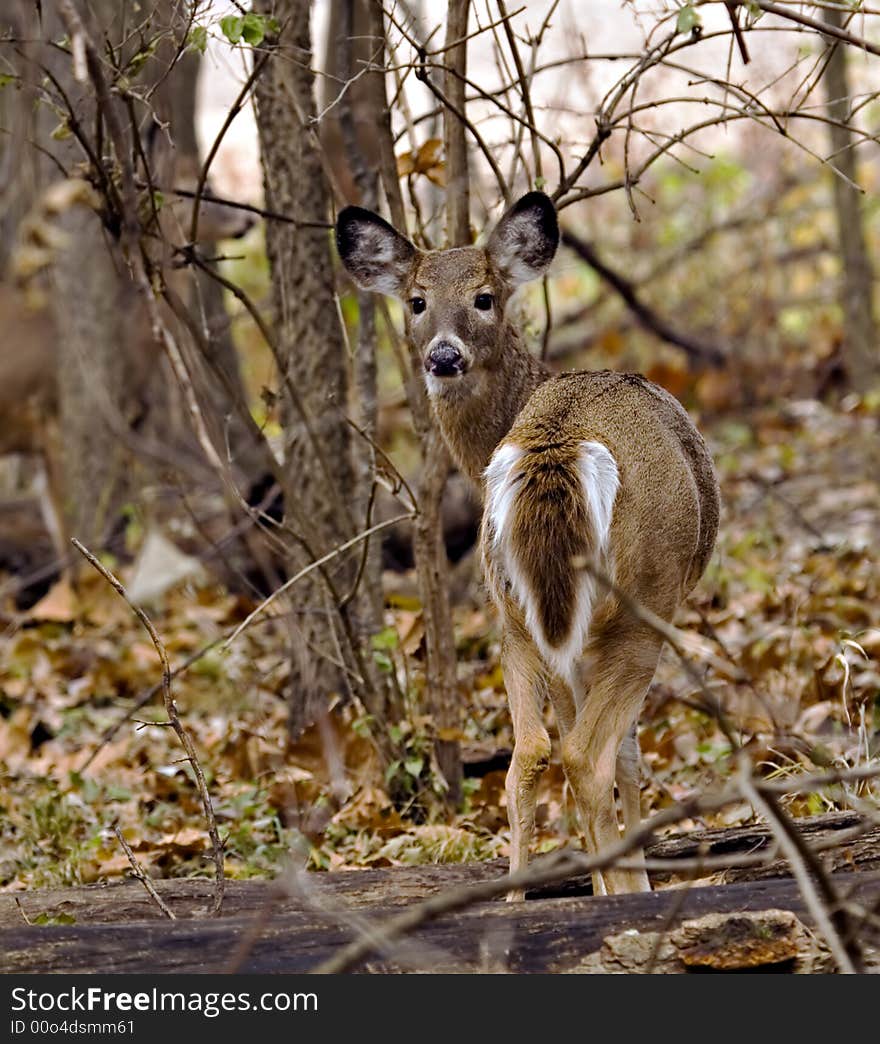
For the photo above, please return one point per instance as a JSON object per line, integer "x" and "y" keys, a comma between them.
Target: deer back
{"x": 665, "y": 511}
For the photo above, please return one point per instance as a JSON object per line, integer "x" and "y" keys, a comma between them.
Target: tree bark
{"x": 312, "y": 355}
{"x": 861, "y": 356}
{"x": 24, "y": 171}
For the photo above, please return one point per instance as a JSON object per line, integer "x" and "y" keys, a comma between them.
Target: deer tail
{"x": 549, "y": 510}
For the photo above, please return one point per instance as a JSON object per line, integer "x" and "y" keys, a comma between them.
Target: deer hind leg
{"x": 628, "y": 786}
{"x": 565, "y": 712}
{"x": 625, "y": 659}
{"x": 525, "y": 681}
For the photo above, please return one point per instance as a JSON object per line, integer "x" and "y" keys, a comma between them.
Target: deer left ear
{"x": 525, "y": 239}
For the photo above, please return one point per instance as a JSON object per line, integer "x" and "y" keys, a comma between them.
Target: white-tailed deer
{"x": 585, "y": 476}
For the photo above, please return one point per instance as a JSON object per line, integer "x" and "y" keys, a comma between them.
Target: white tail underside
{"x": 599, "y": 483}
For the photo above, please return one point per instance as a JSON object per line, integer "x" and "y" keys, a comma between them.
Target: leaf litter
{"x": 791, "y": 600}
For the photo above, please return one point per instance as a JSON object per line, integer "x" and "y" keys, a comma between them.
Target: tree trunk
{"x": 25, "y": 171}
{"x": 458, "y": 220}
{"x": 118, "y": 927}
{"x": 861, "y": 357}
{"x": 348, "y": 137}
{"x": 311, "y": 353}
{"x": 92, "y": 304}
{"x": 442, "y": 701}
{"x": 429, "y": 546}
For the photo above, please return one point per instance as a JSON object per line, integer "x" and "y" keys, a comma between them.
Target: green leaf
{"x": 363, "y": 724}
{"x": 139, "y": 59}
{"x": 414, "y": 766}
{"x": 688, "y": 19}
{"x": 383, "y": 662}
{"x": 59, "y": 918}
{"x": 61, "y": 132}
{"x": 385, "y": 639}
{"x": 6, "y": 78}
{"x": 232, "y": 26}
{"x": 197, "y": 39}
{"x": 254, "y": 28}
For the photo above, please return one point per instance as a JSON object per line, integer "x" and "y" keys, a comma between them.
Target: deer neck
{"x": 476, "y": 414}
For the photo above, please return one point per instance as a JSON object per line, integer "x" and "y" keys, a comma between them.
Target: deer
{"x": 599, "y": 493}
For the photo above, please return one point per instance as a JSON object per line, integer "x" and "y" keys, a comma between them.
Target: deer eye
{"x": 484, "y": 302}
{"x": 418, "y": 305}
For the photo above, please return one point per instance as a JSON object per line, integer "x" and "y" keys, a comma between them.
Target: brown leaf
{"x": 59, "y": 604}
{"x": 426, "y": 160}
{"x": 186, "y": 841}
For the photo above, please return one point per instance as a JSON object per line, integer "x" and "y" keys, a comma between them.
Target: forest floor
{"x": 791, "y": 601}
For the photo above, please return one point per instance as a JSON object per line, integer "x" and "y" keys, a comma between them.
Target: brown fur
{"x": 668, "y": 491}
{"x": 551, "y": 530}
{"x": 662, "y": 529}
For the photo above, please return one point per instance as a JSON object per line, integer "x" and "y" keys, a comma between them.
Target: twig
{"x": 236, "y": 204}
{"x": 248, "y": 620}
{"x": 234, "y": 110}
{"x": 737, "y": 32}
{"x": 784, "y": 11}
{"x": 145, "y": 698}
{"x": 559, "y": 866}
{"x": 174, "y": 720}
{"x": 697, "y": 349}
{"x": 524, "y": 91}
{"x": 141, "y": 874}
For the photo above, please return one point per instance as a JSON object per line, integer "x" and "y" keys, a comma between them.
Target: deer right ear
{"x": 376, "y": 256}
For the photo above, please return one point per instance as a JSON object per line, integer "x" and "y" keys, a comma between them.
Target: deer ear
{"x": 376, "y": 256}
{"x": 525, "y": 239}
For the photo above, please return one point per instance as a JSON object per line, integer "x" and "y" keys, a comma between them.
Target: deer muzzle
{"x": 445, "y": 360}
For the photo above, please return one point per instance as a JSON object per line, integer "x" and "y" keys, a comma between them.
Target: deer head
{"x": 455, "y": 299}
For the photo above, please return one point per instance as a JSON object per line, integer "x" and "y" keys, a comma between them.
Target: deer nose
{"x": 444, "y": 360}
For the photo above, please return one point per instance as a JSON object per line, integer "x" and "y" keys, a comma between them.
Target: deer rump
{"x": 548, "y": 517}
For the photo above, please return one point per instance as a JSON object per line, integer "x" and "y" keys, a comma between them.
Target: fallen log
{"x": 117, "y": 925}
{"x": 547, "y": 935}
